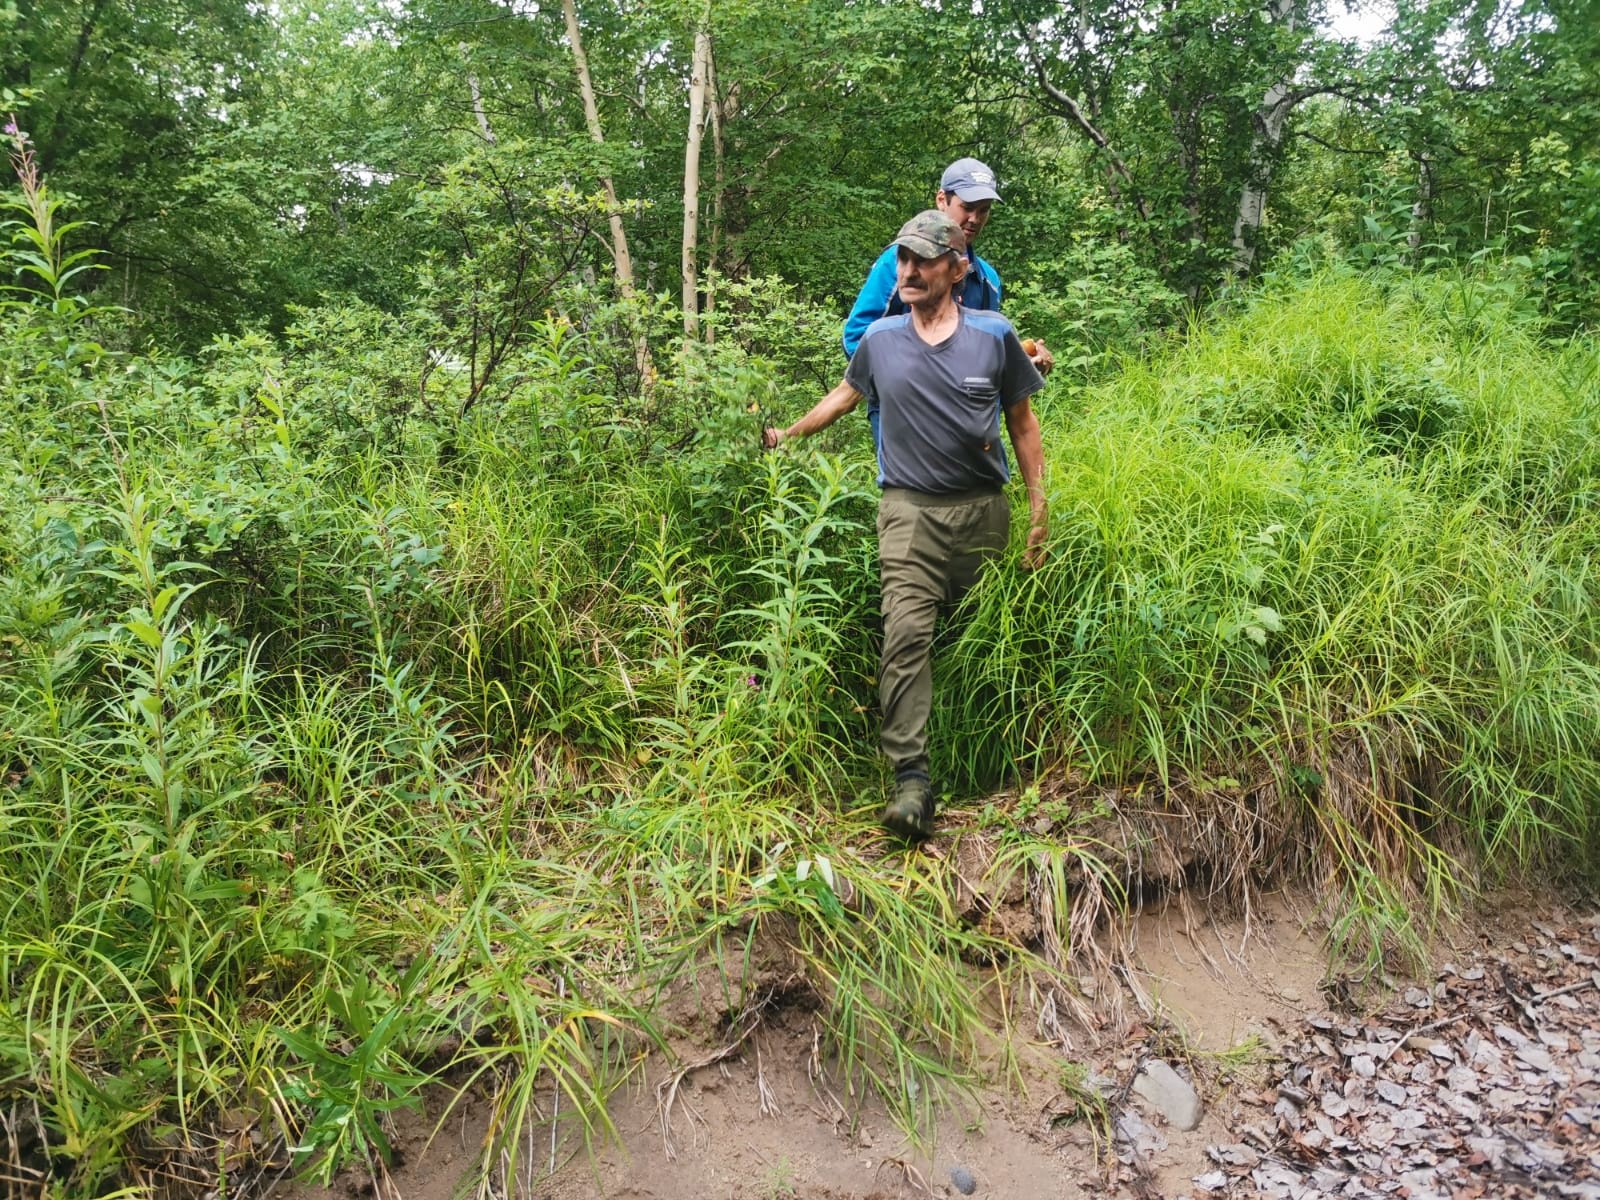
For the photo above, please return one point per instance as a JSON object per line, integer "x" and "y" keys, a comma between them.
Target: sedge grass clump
{"x": 220, "y": 878}
{"x": 331, "y": 770}
{"x": 1317, "y": 541}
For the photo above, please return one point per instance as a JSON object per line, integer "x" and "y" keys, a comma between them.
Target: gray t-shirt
{"x": 940, "y": 406}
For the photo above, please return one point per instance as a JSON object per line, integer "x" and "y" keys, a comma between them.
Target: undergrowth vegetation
{"x": 351, "y": 740}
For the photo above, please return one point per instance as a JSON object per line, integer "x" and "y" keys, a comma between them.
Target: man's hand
{"x": 1041, "y": 357}
{"x": 1033, "y": 555}
{"x": 1023, "y": 427}
{"x": 829, "y": 409}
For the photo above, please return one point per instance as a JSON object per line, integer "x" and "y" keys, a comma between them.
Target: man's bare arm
{"x": 1023, "y": 426}
{"x": 829, "y": 409}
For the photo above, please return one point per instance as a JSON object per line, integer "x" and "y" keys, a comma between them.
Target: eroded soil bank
{"x": 1479, "y": 1078}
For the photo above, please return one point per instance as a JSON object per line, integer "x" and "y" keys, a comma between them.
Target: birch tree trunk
{"x": 591, "y": 116}
{"x": 691, "y": 174}
{"x": 1265, "y": 142}
{"x": 1269, "y": 122}
{"x": 477, "y": 103}
{"x": 718, "y": 151}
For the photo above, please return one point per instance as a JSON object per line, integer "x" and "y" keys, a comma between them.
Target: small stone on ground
{"x": 1169, "y": 1094}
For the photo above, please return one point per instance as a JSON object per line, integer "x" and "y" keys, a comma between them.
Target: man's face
{"x": 927, "y": 280}
{"x": 971, "y": 217}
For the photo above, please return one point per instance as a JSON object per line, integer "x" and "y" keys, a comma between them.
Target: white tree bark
{"x": 691, "y": 174}
{"x": 719, "y": 182}
{"x": 477, "y": 96}
{"x": 1270, "y": 119}
{"x": 591, "y": 116}
{"x": 477, "y": 109}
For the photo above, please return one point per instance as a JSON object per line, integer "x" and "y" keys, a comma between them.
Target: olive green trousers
{"x": 930, "y": 552}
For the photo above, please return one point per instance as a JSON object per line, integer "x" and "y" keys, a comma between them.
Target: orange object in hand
{"x": 1030, "y": 347}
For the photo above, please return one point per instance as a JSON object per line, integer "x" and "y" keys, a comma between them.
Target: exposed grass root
{"x": 1358, "y": 822}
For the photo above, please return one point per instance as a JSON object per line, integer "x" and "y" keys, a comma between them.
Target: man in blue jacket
{"x": 966, "y": 195}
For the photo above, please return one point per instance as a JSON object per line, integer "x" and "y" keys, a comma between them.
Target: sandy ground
{"x": 1483, "y": 1082}
{"x": 763, "y": 1125}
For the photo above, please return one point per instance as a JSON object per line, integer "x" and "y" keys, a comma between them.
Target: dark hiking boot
{"x": 909, "y": 812}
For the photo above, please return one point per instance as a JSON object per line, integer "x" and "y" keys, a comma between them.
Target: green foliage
{"x": 349, "y": 1090}
{"x": 39, "y": 244}
{"x": 375, "y": 735}
{"x": 1333, "y": 514}
{"x": 244, "y": 164}
{"x": 57, "y": 321}
{"x": 1092, "y": 306}
{"x": 129, "y": 104}
{"x": 1483, "y": 145}
{"x": 424, "y": 677}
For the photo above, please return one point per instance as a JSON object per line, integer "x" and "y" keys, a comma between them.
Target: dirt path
{"x": 1482, "y": 1080}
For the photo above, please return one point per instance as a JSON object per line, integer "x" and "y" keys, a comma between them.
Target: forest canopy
{"x": 239, "y": 160}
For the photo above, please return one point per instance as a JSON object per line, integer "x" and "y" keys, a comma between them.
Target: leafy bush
{"x": 1093, "y": 305}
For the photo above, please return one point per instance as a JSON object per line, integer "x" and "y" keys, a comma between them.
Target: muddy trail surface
{"x": 1253, "y": 1071}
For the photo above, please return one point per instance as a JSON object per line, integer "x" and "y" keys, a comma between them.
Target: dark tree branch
{"x": 167, "y": 266}
{"x": 48, "y": 153}
{"x": 1066, "y": 106}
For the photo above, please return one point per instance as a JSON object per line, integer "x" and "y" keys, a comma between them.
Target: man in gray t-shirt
{"x": 943, "y": 379}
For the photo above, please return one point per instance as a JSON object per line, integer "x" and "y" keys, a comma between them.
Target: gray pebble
{"x": 1170, "y": 1093}
{"x": 962, "y": 1178}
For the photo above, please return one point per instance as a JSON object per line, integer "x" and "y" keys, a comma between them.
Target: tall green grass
{"x": 1338, "y": 548}
{"x": 343, "y": 753}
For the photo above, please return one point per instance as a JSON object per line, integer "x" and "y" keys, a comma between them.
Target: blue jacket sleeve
{"x": 872, "y": 301}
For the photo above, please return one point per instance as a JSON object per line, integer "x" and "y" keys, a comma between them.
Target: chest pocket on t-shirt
{"x": 983, "y": 412}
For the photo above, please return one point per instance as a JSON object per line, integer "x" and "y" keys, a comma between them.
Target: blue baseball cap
{"x": 970, "y": 180}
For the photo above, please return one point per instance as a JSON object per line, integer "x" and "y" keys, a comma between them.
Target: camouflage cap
{"x": 930, "y": 234}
